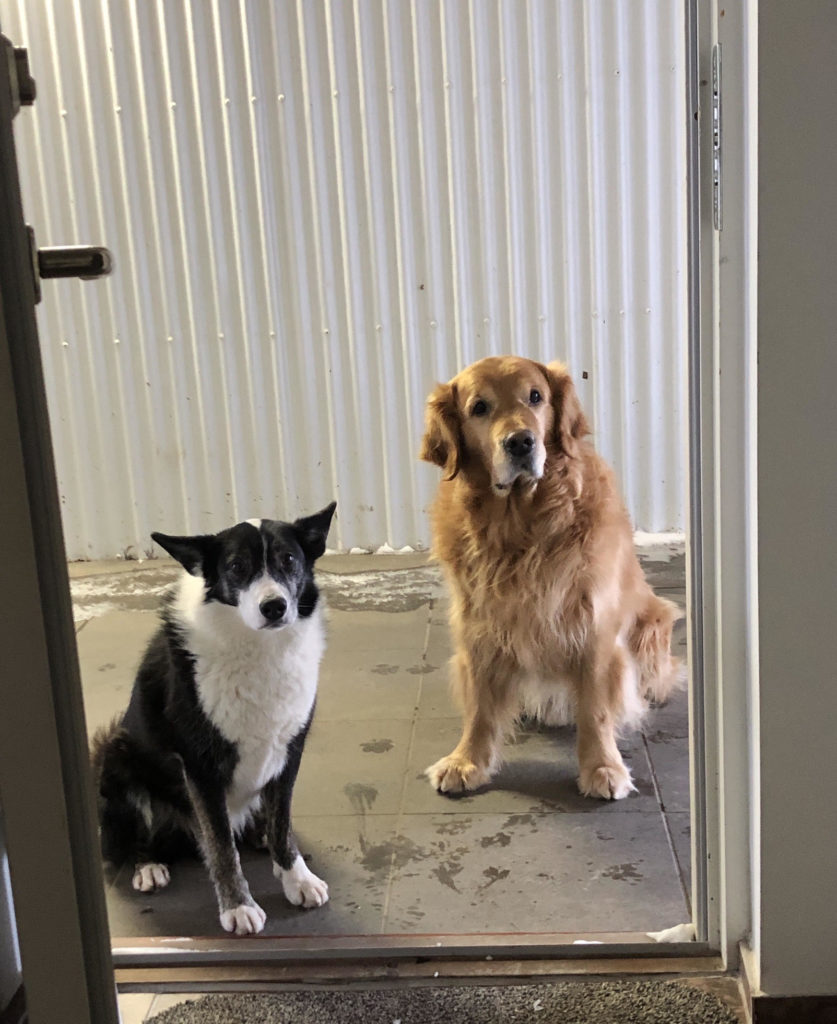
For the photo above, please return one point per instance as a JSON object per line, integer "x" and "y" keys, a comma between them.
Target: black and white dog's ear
{"x": 311, "y": 531}
{"x": 191, "y": 552}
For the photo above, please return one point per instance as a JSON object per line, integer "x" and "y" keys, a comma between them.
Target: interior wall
{"x": 797, "y": 492}
{"x": 319, "y": 210}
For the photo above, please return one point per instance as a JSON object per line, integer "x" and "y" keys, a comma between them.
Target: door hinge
{"x": 717, "y": 208}
{"x": 21, "y": 82}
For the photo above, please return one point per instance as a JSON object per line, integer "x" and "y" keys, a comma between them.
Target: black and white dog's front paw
{"x": 149, "y": 877}
{"x": 301, "y": 886}
{"x": 246, "y": 919}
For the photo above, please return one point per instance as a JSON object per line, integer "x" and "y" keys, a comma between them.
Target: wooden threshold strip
{"x": 259, "y": 964}
{"x": 265, "y": 977}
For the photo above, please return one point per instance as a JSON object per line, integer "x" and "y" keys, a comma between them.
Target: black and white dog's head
{"x": 263, "y": 568}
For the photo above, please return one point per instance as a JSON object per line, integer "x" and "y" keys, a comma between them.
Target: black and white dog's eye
{"x": 535, "y": 397}
{"x": 479, "y": 408}
{"x": 236, "y": 566}
{"x": 288, "y": 561}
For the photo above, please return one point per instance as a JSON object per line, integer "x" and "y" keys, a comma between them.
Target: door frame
{"x": 723, "y": 535}
{"x": 722, "y": 649}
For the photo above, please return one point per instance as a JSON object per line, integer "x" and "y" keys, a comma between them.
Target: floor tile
{"x": 350, "y": 853}
{"x": 110, "y": 649}
{"x": 667, "y": 733}
{"x": 526, "y": 853}
{"x": 435, "y": 697}
{"x": 379, "y": 683}
{"x": 353, "y": 767}
{"x": 539, "y": 774}
{"x": 371, "y": 631}
{"x": 545, "y": 872}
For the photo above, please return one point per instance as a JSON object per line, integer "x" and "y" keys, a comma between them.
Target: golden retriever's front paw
{"x": 455, "y": 774}
{"x": 608, "y": 782}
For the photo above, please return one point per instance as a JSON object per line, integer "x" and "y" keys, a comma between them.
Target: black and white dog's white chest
{"x": 258, "y": 691}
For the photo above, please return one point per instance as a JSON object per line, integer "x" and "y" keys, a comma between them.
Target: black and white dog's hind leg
{"x": 134, "y": 829}
{"x": 238, "y": 911}
{"x": 300, "y": 885}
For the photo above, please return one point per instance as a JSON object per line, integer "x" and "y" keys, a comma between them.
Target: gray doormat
{"x": 643, "y": 1002}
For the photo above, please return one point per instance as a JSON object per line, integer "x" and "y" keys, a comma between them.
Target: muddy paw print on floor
{"x": 623, "y": 873}
{"x": 422, "y": 669}
{"x": 377, "y": 746}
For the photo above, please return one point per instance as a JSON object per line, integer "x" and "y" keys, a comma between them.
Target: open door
{"x": 44, "y": 782}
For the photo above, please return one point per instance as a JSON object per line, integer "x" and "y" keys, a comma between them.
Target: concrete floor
{"x": 527, "y": 855}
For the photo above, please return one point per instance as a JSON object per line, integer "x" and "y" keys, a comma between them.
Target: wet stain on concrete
{"x": 377, "y": 746}
{"x": 360, "y": 796}
{"x": 500, "y": 839}
{"x": 446, "y": 874}
{"x": 385, "y": 670}
{"x": 623, "y": 873}
{"x": 107, "y": 667}
{"x": 422, "y": 669}
{"x": 518, "y": 821}
{"x": 494, "y": 875}
{"x": 454, "y": 828}
{"x": 603, "y": 837}
{"x": 398, "y": 852}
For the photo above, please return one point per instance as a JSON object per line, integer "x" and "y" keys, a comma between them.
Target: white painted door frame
{"x": 722, "y": 527}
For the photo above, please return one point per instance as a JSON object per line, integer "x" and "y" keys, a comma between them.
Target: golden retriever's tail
{"x": 650, "y": 642}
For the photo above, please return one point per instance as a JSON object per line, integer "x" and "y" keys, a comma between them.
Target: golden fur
{"x": 551, "y": 613}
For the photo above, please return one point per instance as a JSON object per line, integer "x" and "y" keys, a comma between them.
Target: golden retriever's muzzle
{"x": 517, "y": 457}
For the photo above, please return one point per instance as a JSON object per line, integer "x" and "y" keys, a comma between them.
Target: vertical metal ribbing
{"x": 319, "y": 211}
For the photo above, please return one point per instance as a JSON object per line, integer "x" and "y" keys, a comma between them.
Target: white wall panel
{"x": 318, "y": 209}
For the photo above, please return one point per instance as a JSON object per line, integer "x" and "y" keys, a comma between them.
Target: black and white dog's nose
{"x": 520, "y": 443}
{"x": 274, "y": 609}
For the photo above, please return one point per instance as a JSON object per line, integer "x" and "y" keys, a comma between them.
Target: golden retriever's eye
{"x": 479, "y": 408}
{"x": 535, "y": 397}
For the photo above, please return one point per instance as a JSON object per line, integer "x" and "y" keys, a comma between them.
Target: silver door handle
{"x": 85, "y": 261}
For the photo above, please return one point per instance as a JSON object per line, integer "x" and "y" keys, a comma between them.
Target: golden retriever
{"x": 551, "y": 613}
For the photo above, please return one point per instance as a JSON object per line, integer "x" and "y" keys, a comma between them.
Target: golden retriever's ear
{"x": 441, "y": 443}
{"x": 570, "y": 424}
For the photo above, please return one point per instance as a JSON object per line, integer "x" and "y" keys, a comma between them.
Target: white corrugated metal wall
{"x": 318, "y": 209}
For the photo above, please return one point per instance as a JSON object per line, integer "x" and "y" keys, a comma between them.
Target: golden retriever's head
{"x": 505, "y": 416}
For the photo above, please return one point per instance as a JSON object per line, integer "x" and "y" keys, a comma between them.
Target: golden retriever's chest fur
{"x": 518, "y": 570}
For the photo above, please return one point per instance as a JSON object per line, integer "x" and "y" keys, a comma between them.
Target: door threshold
{"x": 260, "y": 964}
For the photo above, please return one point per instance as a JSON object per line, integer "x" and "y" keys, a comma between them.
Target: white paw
{"x": 248, "y": 919}
{"x": 150, "y": 876}
{"x": 608, "y": 782}
{"x": 301, "y": 886}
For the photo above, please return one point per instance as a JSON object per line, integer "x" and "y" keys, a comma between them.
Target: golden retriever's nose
{"x": 519, "y": 444}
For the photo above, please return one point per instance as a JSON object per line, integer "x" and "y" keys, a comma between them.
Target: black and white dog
{"x": 221, "y": 705}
